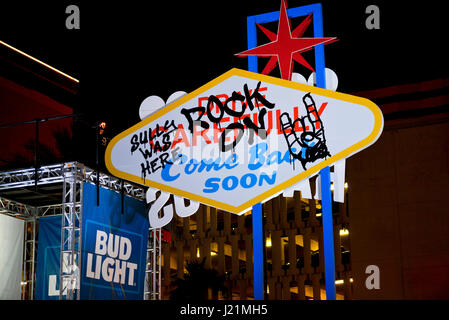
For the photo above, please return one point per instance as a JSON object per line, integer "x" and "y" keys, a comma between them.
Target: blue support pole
{"x": 325, "y": 176}
{"x": 258, "y": 252}
{"x": 257, "y": 214}
{"x": 328, "y": 233}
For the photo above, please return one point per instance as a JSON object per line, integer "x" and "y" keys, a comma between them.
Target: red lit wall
{"x": 18, "y": 104}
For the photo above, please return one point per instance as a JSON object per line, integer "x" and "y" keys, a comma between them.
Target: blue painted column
{"x": 328, "y": 233}
{"x": 325, "y": 176}
{"x": 257, "y": 216}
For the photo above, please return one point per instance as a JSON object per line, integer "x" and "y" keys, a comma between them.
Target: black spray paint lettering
{"x": 310, "y": 145}
{"x": 224, "y": 108}
{"x": 156, "y": 144}
{"x": 147, "y": 136}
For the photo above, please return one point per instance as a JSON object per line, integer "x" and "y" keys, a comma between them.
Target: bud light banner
{"x": 114, "y": 246}
{"x": 48, "y": 259}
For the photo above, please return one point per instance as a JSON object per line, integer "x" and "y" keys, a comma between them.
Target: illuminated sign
{"x": 242, "y": 138}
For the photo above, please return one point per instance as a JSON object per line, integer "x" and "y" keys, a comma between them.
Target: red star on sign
{"x": 286, "y": 45}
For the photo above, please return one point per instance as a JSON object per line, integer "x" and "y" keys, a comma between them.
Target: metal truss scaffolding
{"x": 153, "y": 268}
{"x": 72, "y": 204}
{"x": 29, "y": 249}
{"x": 71, "y": 176}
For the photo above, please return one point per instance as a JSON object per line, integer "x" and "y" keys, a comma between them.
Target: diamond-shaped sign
{"x": 242, "y": 138}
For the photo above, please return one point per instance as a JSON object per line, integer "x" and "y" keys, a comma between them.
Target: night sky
{"x": 126, "y": 51}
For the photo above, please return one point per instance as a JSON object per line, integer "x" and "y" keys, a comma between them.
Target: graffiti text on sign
{"x": 228, "y": 108}
{"x": 212, "y": 135}
{"x": 155, "y": 142}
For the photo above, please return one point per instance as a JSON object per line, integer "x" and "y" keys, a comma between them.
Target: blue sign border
{"x": 329, "y": 258}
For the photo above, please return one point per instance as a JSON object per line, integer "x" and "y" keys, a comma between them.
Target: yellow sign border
{"x": 377, "y": 130}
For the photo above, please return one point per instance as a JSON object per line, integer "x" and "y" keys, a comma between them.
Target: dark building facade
{"x": 395, "y": 217}
{"x": 398, "y": 203}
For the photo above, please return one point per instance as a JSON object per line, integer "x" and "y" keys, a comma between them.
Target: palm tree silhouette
{"x": 197, "y": 280}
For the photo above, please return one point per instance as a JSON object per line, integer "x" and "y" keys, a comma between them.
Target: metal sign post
{"x": 328, "y": 237}
{"x": 257, "y": 215}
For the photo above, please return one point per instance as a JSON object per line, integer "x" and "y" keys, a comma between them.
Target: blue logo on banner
{"x": 114, "y": 246}
{"x": 48, "y": 259}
